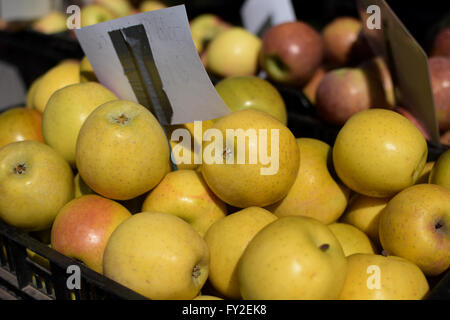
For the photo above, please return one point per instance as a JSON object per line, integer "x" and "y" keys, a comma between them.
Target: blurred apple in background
{"x": 233, "y": 52}
{"x": 50, "y": 23}
{"x": 35, "y": 183}
{"x": 441, "y": 44}
{"x": 346, "y": 91}
{"x": 379, "y": 152}
{"x": 246, "y": 92}
{"x": 415, "y": 225}
{"x": 315, "y": 193}
{"x": 122, "y": 150}
{"x": 344, "y": 42}
{"x": 65, "y": 113}
{"x": 363, "y": 212}
{"x": 310, "y": 89}
{"x": 65, "y": 73}
{"x": 440, "y": 82}
{"x": 440, "y": 174}
{"x": 227, "y": 240}
{"x": 94, "y": 13}
{"x": 376, "y": 277}
{"x": 282, "y": 258}
{"x": 206, "y": 27}
{"x": 151, "y": 5}
{"x": 20, "y": 123}
{"x": 291, "y": 52}
{"x": 83, "y": 227}
{"x": 414, "y": 120}
{"x": 377, "y": 70}
{"x": 185, "y": 194}
{"x": 158, "y": 255}
{"x": 120, "y": 8}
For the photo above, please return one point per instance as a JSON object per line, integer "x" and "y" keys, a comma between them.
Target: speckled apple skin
{"x": 408, "y": 227}
{"x": 83, "y": 226}
{"x": 379, "y": 152}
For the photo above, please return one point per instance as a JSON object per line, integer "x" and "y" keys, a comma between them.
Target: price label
{"x": 259, "y": 15}
{"x": 150, "y": 58}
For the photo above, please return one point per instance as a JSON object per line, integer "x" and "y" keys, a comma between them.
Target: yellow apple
{"x": 65, "y": 113}
{"x": 292, "y": 258}
{"x": 245, "y": 179}
{"x": 52, "y": 22}
{"x": 35, "y": 182}
{"x": 151, "y": 5}
{"x": 315, "y": 192}
{"x": 234, "y": 52}
{"x": 83, "y": 226}
{"x": 94, "y": 13}
{"x": 415, "y": 225}
{"x": 120, "y": 8}
{"x": 379, "y": 152}
{"x": 86, "y": 71}
{"x": 31, "y": 92}
{"x": 227, "y": 240}
{"x": 440, "y": 174}
{"x": 425, "y": 174}
{"x": 206, "y": 27}
{"x": 363, "y": 212}
{"x": 376, "y": 277}
{"x": 207, "y": 297}
{"x": 122, "y": 150}
{"x": 351, "y": 239}
{"x": 158, "y": 255}
{"x": 19, "y": 124}
{"x": 63, "y": 74}
{"x": 185, "y": 194}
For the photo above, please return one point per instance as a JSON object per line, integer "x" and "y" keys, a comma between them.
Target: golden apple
{"x": 234, "y": 52}
{"x": 122, "y": 151}
{"x": 19, "y": 124}
{"x": 185, "y": 194}
{"x": 440, "y": 174}
{"x": 35, "y": 183}
{"x": 95, "y": 13}
{"x": 425, "y": 174}
{"x": 315, "y": 192}
{"x": 158, "y": 255}
{"x": 207, "y": 297}
{"x": 245, "y": 178}
{"x": 206, "y": 27}
{"x": 376, "y": 277}
{"x": 120, "y": 8}
{"x": 379, "y": 152}
{"x": 151, "y": 5}
{"x": 293, "y": 258}
{"x": 415, "y": 225}
{"x": 363, "y": 212}
{"x": 86, "y": 71}
{"x": 63, "y": 74}
{"x": 50, "y": 23}
{"x": 351, "y": 239}
{"x": 227, "y": 240}
{"x": 31, "y": 92}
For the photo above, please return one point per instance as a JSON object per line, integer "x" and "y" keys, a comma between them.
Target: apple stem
{"x": 20, "y": 168}
{"x": 196, "y": 271}
{"x": 324, "y": 247}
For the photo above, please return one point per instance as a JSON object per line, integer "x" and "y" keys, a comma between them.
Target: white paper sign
{"x": 26, "y": 9}
{"x": 256, "y": 13}
{"x": 184, "y": 79}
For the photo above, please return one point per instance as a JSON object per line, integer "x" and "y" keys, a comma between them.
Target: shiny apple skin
{"x": 19, "y": 124}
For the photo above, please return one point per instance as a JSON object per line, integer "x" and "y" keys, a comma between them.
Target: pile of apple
{"x": 366, "y": 218}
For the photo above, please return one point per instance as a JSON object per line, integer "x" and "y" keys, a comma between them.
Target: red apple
{"x": 83, "y": 226}
{"x": 346, "y": 91}
{"x": 310, "y": 89}
{"x": 440, "y": 83}
{"x": 344, "y": 41}
{"x": 441, "y": 44}
{"x": 414, "y": 120}
{"x": 20, "y": 123}
{"x": 291, "y": 52}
